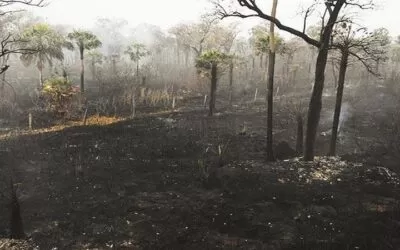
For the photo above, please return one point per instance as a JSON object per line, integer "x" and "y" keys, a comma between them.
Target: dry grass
{"x": 91, "y": 121}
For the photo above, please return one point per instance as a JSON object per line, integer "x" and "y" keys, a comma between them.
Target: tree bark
{"x": 40, "y": 68}
{"x": 93, "y": 70}
{"x": 335, "y": 81}
{"x": 81, "y": 50}
{"x": 338, "y": 105}
{"x": 270, "y": 87}
{"x": 3, "y": 83}
{"x": 314, "y": 110}
{"x": 40, "y": 77}
{"x": 16, "y": 225}
{"x": 270, "y": 101}
{"x": 213, "y": 89}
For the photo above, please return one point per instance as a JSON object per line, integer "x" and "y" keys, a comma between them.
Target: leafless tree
{"x": 354, "y": 41}
{"x": 332, "y": 9}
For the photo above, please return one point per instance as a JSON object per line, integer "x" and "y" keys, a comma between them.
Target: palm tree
{"x": 136, "y": 51}
{"x": 47, "y": 43}
{"x": 213, "y": 64}
{"x": 84, "y": 40}
{"x": 95, "y": 57}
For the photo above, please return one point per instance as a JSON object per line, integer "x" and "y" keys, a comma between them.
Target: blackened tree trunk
{"x": 270, "y": 87}
{"x": 213, "y": 88}
{"x": 315, "y": 105}
{"x": 339, "y": 96}
{"x": 300, "y": 135}
{"x": 230, "y": 83}
{"x": 270, "y": 101}
{"x": 3, "y": 83}
{"x": 16, "y": 225}
{"x": 314, "y": 110}
{"x": 81, "y": 50}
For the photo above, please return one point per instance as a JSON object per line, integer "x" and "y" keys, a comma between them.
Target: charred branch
{"x": 251, "y": 5}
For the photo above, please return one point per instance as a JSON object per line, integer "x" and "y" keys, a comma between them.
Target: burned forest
{"x": 199, "y": 124}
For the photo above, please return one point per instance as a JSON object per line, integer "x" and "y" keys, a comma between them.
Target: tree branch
{"x": 7, "y": 3}
{"x": 251, "y": 5}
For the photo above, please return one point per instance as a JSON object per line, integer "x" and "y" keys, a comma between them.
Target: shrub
{"x": 58, "y": 93}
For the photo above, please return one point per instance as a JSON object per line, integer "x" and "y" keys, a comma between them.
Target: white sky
{"x": 166, "y": 13}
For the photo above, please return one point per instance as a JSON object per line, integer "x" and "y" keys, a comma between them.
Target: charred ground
{"x": 140, "y": 184}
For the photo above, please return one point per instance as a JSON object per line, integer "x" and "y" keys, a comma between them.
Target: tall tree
{"x": 213, "y": 63}
{"x": 355, "y": 42}
{"x": 270, "y": 83}
{"x": 48, "y": 45}
{"x": 84, "y": 40}
{"x": 260, "y": 41}
{"x": 332, "y": 8}
{"x": 136, "y": 52}
{"x": 95, "y": 58}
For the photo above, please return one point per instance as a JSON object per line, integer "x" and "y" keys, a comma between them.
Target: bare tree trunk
{"x": 82, "y": 71}
{"x": 16, "y": 225}
{"x": 338, "y": 106}
{"x": 315, "y": 105}
{"x": 230, "y": 83}
{"x": 270, "y": 87}
{"x": 93, "y": 70}
{"x": 133, "y": 105}
{"x": 314, "y": 110}
{"x": 261, "y": 60}
{"x": 300, "y": 135}
{"x": 40, "y": 77}
{"x": 3, "y": 83}
{"x": 334, "y": 74}
{"x": 84, "y": 120}
{"x": 213, "y": 89}
{"x": 114, "y": 66}
{"x": 255, "y": 95}
{"x": 186, "y": 58}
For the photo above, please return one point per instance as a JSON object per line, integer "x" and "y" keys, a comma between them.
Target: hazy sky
{"x": 165, "y": 13}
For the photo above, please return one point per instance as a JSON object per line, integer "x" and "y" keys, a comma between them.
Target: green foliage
{"x": 212, "y": 57}
{"x": 260, "y": 40}
{"x": 95, "y": 56}
{"x": 85, "y": 40}
{"x": 59, "y": 92}
{"x": 47, "y": 43}
{"x": 137, "y": 51}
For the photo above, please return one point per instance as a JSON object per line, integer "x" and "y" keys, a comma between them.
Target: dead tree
{"x": 16, "y": 225}
{"x": 332, "y": 9}
{"x": 353, "y": 42}
{"x": 270, "y": 84}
